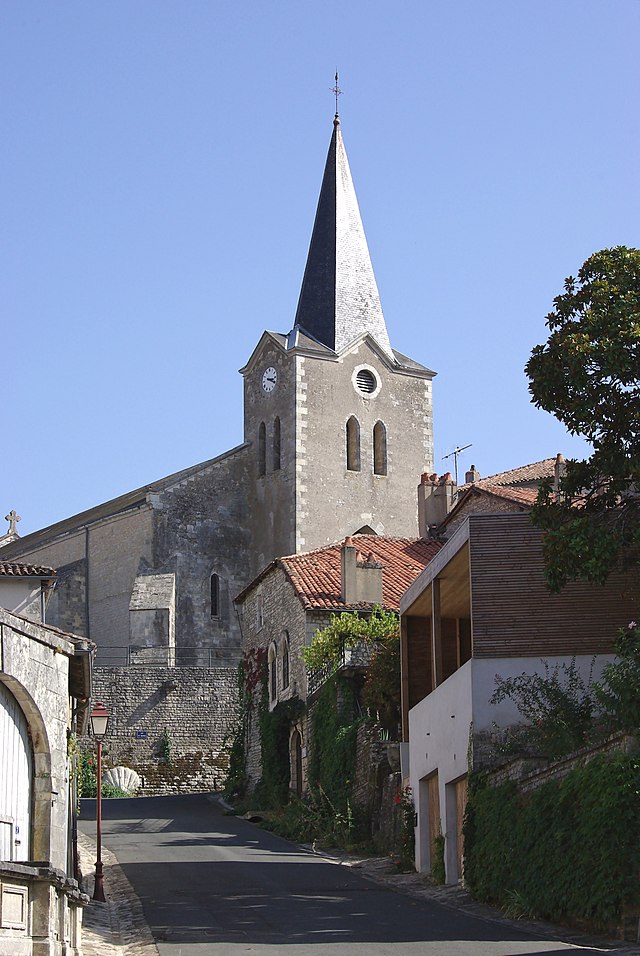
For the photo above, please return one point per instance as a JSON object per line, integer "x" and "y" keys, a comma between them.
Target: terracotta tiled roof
{"x": 317, "y": 579}
{"x": 517, "y": 476}
{"x": 25, "y": 571}
{"x": 523, "y": 496}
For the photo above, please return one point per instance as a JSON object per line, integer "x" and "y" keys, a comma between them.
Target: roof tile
{"x": 316, "y": 576}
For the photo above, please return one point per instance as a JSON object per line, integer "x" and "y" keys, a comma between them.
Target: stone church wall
{"x": 116, "y": 547}
{"x": 272, "y": 505}
{"x": 333, "y": 501}
{"x": 198, "y": 707}
{"x": 202, "y": 528}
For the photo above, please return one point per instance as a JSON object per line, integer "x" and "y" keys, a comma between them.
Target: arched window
{"x": 285, "y": 660}
{"x": 379, "y": 449}
{"x": 276, "y": 444}
{"x": 273, "y": 673}
{"x": 353, "y": 444}
{"x": 215, "y": 595}
{"x": 262, "y": 449}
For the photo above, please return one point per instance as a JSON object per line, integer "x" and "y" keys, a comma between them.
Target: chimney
{"x": 471, "y": 476}
{"x": 436, "y": 497}
{"x": 559, "y": 471}
{"x": 361, "y": 577}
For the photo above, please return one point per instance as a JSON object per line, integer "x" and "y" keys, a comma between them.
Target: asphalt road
{"x": 212, "y": 884}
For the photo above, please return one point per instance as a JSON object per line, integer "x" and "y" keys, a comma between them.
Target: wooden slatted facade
{"x": 513, "y": 612}
{"x": 492, "y": 601}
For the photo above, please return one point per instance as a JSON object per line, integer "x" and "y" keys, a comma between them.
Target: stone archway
{"x": 37, "y": 845}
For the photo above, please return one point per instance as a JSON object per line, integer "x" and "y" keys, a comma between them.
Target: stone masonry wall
{"x": 197, "y": 706}
{"x": 281, "y": 611}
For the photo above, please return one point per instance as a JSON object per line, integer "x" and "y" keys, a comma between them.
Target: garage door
{"x": 16, "y": 779}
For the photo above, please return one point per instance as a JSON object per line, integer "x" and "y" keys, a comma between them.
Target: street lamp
{"x": 99, "y": 724}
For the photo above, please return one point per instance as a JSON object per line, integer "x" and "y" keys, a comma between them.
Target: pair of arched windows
{"x": 273, "y": 666}
{"x": 379, "y": 446}
{"x": 275, "y": 447}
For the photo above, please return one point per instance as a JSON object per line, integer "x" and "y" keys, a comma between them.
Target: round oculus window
{"x": 366, "y": 382}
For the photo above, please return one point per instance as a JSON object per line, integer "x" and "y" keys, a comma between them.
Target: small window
{"x": 285, "y": 660}
{"x": 273, "y": 673}
{"x": 353, "y": 444}
{"x": 262, "y": 450}
{"x": 215, "y": 595}
{"x": 379, "y": 449}
{"x": 276, "y": 444}
{"x": 259, "y": 612}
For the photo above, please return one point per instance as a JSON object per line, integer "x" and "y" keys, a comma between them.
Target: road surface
{"x": 213, "y": 885}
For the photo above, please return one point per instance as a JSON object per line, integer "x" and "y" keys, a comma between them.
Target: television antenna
{"x": 456, "y": 451}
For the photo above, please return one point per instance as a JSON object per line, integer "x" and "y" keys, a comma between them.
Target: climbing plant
{"x": 566, "y": 851}
{"x": 346, "y": 630}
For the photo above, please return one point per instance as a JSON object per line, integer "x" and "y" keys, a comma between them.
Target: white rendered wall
{"x": 439, "y": 734}
{"x": 22, "y": 596}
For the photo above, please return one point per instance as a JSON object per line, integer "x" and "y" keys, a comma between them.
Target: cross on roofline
{"x": 13, "y": 517}
{"x": 336, "y": 91}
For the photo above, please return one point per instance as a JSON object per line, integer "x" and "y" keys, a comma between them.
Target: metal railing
{"x": 357, "y": 656}
{"x": 136, "y": 655}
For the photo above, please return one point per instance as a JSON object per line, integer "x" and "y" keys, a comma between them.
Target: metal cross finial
{"x": 337, "y": 91}
{"x": 13, "y": 517}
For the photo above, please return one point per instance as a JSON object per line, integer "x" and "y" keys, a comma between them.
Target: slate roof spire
{"x": 339, "y": 298}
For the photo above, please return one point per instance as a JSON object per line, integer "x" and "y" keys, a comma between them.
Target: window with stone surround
{"x": 259, "y": 611}
{"x": 262, "y": 449}
{"x": 214, "y": 588}
{"x": 379, "y": 449}
{"x": 276, "y": 444}
{"x": 273, "y": 674}
{"x": 285, "y": 659}
{"x": 353, "y": 444}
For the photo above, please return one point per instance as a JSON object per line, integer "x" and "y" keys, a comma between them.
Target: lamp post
{"x": 99, "y": 724}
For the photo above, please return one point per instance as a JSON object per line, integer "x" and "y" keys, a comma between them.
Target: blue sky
{"x": 161, "y": 163}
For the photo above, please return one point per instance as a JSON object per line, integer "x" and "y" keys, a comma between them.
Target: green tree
{"x": 587, "y": 374}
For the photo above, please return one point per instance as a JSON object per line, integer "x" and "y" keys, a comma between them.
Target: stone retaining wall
{"x": 198, "y": 708}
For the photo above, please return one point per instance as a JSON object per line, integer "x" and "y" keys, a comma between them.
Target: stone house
{"x": 293, "y": 597}
{"x": 337, "y": 430}
{"x": 45, "y": 683}
{"x": 481, "y": 608}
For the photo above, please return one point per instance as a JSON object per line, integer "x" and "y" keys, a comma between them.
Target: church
{"x": 337, "y": 431}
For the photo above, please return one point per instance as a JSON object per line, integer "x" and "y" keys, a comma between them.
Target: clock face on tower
{"x": 269, "y": 379}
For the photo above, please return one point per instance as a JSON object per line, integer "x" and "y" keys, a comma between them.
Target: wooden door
{"x": 16, "y": 779}
{"x": 435, "y": 828}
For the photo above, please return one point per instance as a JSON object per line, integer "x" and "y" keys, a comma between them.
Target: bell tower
{"x": 339, "y": 424}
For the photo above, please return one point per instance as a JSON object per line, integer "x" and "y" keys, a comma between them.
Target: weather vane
{"x": 336, "y": 91}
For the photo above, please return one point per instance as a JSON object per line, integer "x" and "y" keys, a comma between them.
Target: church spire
{"x": 339, "y": 298}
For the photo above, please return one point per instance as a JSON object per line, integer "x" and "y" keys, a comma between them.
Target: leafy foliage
{"x": 587, "y": 374}
{"x": 334, "y": 728}
{"x": 567, "y": 851}
{"x": 316, "y": 818}
{"x": 618, "y": 691}
{"x": 438, "y": 872}
{"x": 251, "y": 677}
{"x": 381, "y": 691}
{"x": 347, "y": 630}
{"x": 273, "y": 788}
{"x": 557, "y": 707}
{"x": 86, "y": 779}
{"x": 166, "y": 747}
